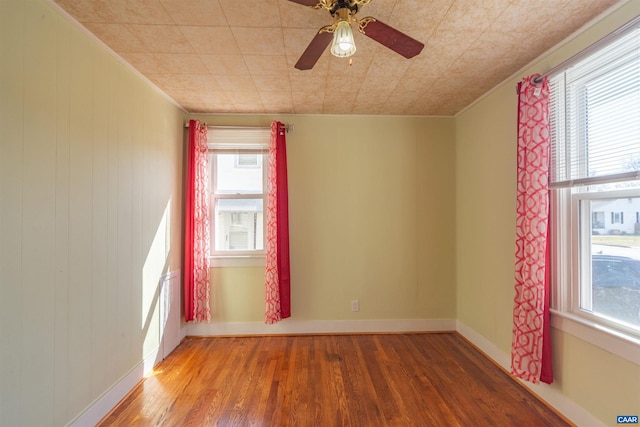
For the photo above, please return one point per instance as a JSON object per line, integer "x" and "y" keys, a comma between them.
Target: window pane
{"x": 595, "y": 114}
{"x": 234, "y": 176}
{"x": 614, "y": 251}
{"x": 247, "y": 160}
{"x": 238, "y": 225}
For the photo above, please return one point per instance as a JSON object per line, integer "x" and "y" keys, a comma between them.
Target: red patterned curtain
{"x": 531, "y": 349}
{"x": 196, "y": 245}
{"x": 277, "y": 281}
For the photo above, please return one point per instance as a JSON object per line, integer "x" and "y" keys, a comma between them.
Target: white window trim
{"x": 564, "y": 240}
{"x": 241, "y": 140}
{"x": 595, "y": 333}
{"x": 565, "y": 313}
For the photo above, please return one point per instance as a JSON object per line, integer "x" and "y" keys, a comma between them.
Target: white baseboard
{"x": 553, "y": 397}
{"x": 289, "y": 326}
{"x": 105, "y": 403}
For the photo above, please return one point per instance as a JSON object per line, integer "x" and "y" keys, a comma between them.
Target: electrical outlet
{"x": 355, "y": 305}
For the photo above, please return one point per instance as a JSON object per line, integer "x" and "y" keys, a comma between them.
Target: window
{"x": 248, "y": 160}
{"x": 597, "y": 220}
{"x": 238, "y": 161}
{"x": 595, "y": 171}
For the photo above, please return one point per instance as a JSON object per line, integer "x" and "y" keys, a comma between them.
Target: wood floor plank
{"x": 335, "y": 380}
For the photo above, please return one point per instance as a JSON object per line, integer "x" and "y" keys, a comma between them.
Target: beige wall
{"x": 90, "y": 196}
{"x": 371, "y": 216}
{"x": 603, "y": 384}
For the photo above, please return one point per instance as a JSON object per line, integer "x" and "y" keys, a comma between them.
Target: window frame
{"x": 565, "y": 215}
{"x": 238, "y": 141}
{"x": 565, "y": 299}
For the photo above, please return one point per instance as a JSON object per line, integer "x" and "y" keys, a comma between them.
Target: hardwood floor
{"x": 335, "y": 380}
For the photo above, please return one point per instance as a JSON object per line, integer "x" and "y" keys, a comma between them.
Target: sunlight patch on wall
{"x": 156, "y": 265}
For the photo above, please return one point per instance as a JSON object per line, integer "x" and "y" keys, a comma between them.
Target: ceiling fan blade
{"x": 306, "y": 2}
{"x": 314, "y": 51}
{"x": 392, "y": 38}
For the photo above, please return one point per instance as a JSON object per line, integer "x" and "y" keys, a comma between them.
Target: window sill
{"x": 237, "y": 261}
{"x": 610, "y": 340}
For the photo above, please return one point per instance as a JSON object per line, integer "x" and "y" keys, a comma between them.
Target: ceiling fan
{"x": 340, "y": 36}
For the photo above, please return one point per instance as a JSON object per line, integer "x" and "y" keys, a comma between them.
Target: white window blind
{"x": 595, "y": 116}
{"x": 239, "y": 140}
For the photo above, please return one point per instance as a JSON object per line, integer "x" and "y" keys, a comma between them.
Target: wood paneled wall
{"x": 90, "y": 189}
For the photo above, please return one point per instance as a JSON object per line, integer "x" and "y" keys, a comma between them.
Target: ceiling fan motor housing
{"x": 350, "y": 5}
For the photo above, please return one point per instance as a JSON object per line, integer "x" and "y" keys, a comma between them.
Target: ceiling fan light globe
{"x": 343, "y": 44}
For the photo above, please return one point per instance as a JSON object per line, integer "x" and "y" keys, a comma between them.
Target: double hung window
{"x": 595, "y": 181}
{"x": 238, "y": 161}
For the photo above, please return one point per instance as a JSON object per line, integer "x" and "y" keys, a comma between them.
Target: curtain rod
{"x": 589, "y": 49}
{"x": 287, "y": 128}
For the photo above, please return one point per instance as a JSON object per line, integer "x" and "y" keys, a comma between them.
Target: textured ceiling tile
{"x": 387, "y": 63}
{"x": 236, "y": 83}
{"x": 279, "y": 83}
{"x": 192, "y": 99}
{"x": 195, "y": 12}
{"x": 214, "y": 40}
{"x": 577, "y": 13}
{"x": 427, "y": 105}
{"x": 249, "y": 108}
{"x": 428, "y": 67}
{"x": 475, "y": 15}
{"x": 259, "y": 41}
{"x": 225, "y": 64}
{"x": 366, "y": 108}
{"x": 379, "y": 9}
{"x": 399, "y": 102}
{"x": 306, "y": 83}
{"x": 146, "y": 63}
{"x": 117, "y": 11}
{"x": 419, "y": 14}
{"x": 480, "y": 69}
{"x": 139, "y": 12}
{"x": 523, "y": 18}
{"x": 342, "y": 104}
{"x": 246, "y": 97}
{"x": 214, "y": 107}
{"x": 339, "y": 86}
{"x": 413, "y": 84}
{"x": 185, "y": 81}
{"x": 357, "y": 64}
{"x": 493, "y": 41}
{"x": 262, "y": 13}
{"x": 182, "y": 63}
{"x": 545, "y": 41}
{"x": 117, "y": 37}
{"x": 85, "y": 10}
{"x": 279, "y": 105}
{"x": 275, "y": 97}
{"x": 450, "y": 44}
{"x": 293, "y": 15}
{"x": 160, "y": 38}
{"x": 266, "y": 65}
{"x": 305, "y": 102}
{"x": 371, "y": 89}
